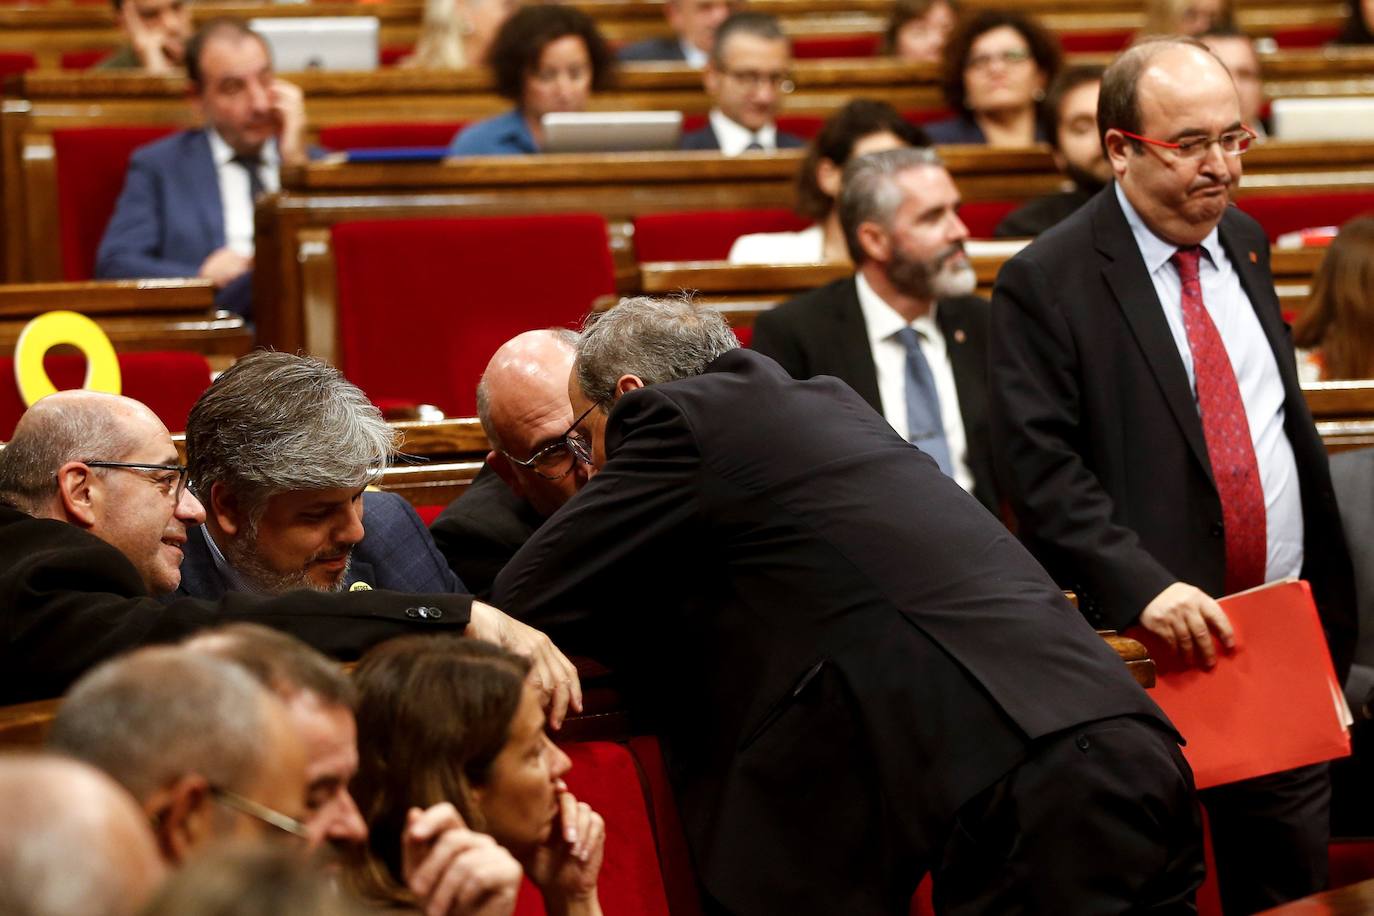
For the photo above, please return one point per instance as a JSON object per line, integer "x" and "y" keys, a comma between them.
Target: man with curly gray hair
{"x": 281, "y": 449}
{"x": 858, "y": 674}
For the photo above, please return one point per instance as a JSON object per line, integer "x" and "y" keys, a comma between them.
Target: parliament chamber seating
{"x": 168, "y": 383}
{"x": 389, "y": 134}
{"x": 12, "y": 62}
{"x": 1282, "y": 213}
{"x": 469, "y": 284}
{"x": 705, "y": 235}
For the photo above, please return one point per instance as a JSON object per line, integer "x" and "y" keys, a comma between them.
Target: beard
{"x": 242, "y": 553}
{"x": 1083, "y": 179}
{"x": 944, "y": 276}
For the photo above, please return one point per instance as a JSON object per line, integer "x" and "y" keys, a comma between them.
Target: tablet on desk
{"x": 611, "y": 131}
{"x": 320, "y": 42}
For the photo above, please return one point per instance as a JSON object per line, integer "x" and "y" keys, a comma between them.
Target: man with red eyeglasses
{"x": 1154, "y": 440}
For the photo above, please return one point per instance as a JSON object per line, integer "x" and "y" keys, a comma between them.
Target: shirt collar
{"x": 223, "y": 153}
{"x": 236, "y": 581}
{"x": 516, "y": 129}
{"x": 694, "y": 56}
{"x": 883, "y": 321}
{"x": 1154, "y": 250}
{"x": 733, "y": 137}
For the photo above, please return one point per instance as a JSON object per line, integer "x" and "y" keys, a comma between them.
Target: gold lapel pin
{"x": 959, "y": 335}
{"x": 1254, "y": 258}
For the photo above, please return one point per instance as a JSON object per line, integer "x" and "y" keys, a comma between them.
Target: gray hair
{"x": 152, "y": 716}
{"x": 276, "y": 422}
{"x": 70, "y": 841}
{"x": 658, "y": 340}
{"x": 279, "y": 661}
{"x": 52, "y": 434}
{"x": 565, "y": 336}
{"x": 870, "y": 194}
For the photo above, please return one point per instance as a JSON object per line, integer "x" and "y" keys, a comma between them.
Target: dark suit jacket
{"x": 823, "y": 333}
{"x": 1035, "y": 216}
{"x": 169, "y": 218}
{"x": 479, "y": 533}
{"x": 1098, "y": 431}
{"x": 68, "y": 601}
{"x": 705, "y": 138}
{"x": 841, "y": 645}
{"x": 396, "y": 553}
{"x": 653, "y": 49}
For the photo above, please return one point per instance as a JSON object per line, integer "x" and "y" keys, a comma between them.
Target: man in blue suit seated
{"x": 746, "y": 77}
{"x": 694, "y": 24}
{"x": 187, "y": 205}
{"x": 281, "y": 448}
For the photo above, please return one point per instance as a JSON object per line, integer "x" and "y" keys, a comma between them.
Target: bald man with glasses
{"x": 536, "y": 463}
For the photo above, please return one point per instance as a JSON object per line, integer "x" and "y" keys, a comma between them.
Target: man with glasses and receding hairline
{"x": 749, "y": 72}
{"x": 1155, "y": 442}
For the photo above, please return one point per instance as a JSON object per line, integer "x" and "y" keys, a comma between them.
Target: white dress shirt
{"x": 1257, "y": 375}
{"x": 234, "y": 189}
{"x": 889, "y": 359}
{"x": 694, "y": 56}
{"x": 804, "y": 247}
{"x": 735, "y": 138}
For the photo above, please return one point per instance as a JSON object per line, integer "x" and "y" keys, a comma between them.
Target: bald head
{"x": 72, "y": 842}
{"x": 523, "y": 404}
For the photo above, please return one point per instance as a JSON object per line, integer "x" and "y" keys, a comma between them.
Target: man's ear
{"x": 501, "y": 465}
{"x": 875, "y": 242}
{"x": 1117, "y": 151}
{"x": 182, "y": 816}
{"x": 225, "y": 509}
{"x": 828, "y": 177}
{"x": 80, "y": 492}
{"x": 711, "y": 78}
{"x": 626, "y": 384}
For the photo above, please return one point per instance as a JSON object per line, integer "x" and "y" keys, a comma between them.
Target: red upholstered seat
{"x": 168, "y": 383}
{"x": 817, "y": 46}
{"x": 1282, "y": 213}
{"x": 1305, "y": 36}
{"x": 804, "y": 126}
{"x": 83, "y": 60}
{"x": 678, "y": 877}
{"x": 424, "y": 303}
{"x": 705, "y": 235}
{"x": 428, "y": 513}
{"x": 90, "y": 163}
{"x": 1095, "y": 42}
{"x": 982, "y": 216}
{"x": 391, "y": 54}
{"x": 923, "y": 116}
{"x": 389, "y": 135}
{"x": 12, "y": 62}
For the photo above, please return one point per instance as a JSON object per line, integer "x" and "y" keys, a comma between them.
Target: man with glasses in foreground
{"x": 746, "y": 77}
{"x": 207, "y": 752}
{"x": 1155, "y": 442}
{"x": 534, "y": 466}
{"x": 94, "y": 516}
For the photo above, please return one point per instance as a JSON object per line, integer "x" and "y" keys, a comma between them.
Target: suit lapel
{"x": 199, "y": 577}
{"x": 851, "y": 345}
{"x": 202, "y": 179}
{"x": 964, "y": 360}
{"x": 360, "y": 571}
{"x": 1135, "y": 294}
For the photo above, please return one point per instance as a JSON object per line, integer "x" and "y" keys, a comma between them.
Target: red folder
{"x": 1272, "y": 704}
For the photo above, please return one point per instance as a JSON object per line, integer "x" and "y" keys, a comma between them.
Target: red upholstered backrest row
{"x": 462, "y": 287}
{"x": 1290, "y": 212}
{"x": 705, "y": 235}
{"x": 168, "y": 383}
{"x": 392, "y": 134}
{"x": 16, "y": 62}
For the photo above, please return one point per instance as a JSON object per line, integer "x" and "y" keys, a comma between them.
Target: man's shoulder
{"x": 489, "y": 510}
{"x": 651, "y": 49}
{"x": 821, "y": 301}
{"x": 703, "y": 138}
{"x": 62, "y": 554}
{"x": 1072, "y": 237}
{"x": 389, "y": 515}
{"x": 172, "y": 148}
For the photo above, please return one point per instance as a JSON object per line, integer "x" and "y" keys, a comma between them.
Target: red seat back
{"x": 1282, "y": 213}
{"x": 982, "y": 216}
{"x": 678, "y": 877}
{"x": 83, "y": 60}
{"x": 1305, "y": 36}
{"x": 1105, "y": 42}
{"x": 90, "y": 163}
{"x": 448, "y": 292}
{"x": 168, "y": 383}
{"x": 804, "y": 126}
{"x": 705, "y": 235}
{"x": 810, "y": 47}
{"x": 12, "y": 62}
{"x": 389, "y": 135}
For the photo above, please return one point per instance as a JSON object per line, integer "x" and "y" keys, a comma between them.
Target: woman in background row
{"x": 1359, "y": 24}
{"x": 458, "y": 720}
{"x": 917, "y": 30}
{"x": 1335, "y": 332}
{"x": 455, "y": 34}
{"x": 996, "y": 67}
{"x": 860, "y": 127}
{"x": 1187, "y": 17}
{"x": 545, "y": 58}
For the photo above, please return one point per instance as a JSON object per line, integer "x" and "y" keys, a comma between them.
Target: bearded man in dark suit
{"x": 1156, "y": 444}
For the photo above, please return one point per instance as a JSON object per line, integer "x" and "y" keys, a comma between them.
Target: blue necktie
{"x": 925, "y": 429}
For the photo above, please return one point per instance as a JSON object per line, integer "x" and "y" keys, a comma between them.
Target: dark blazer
{"x": 653, "y": 49}
{"x": 840, "y": 645}
{"x": 396, "y": 553}
{"x": 823, "y": 333}
{"x": 1097, "y": 430}
{"x": 480, "y": 532}
{"x": 705, "y": 138}
{"x": 68, "y": 601}
{"x": 169, "y": 218}
{"x": 1035, "y": 216}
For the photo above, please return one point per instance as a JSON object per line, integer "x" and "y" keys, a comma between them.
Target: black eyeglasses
{"x": 260, "y": 812}
{"x": 557, "y": 459}
{"x": 173, "y": 479}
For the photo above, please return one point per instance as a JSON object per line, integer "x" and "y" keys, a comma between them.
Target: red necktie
{"x": 1227, "y": 432}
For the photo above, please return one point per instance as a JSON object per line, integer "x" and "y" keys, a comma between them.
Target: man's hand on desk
{"x": 1186, "y": 617}
{"x": 553, "y": 674}
{"x": 224, "y": 266}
